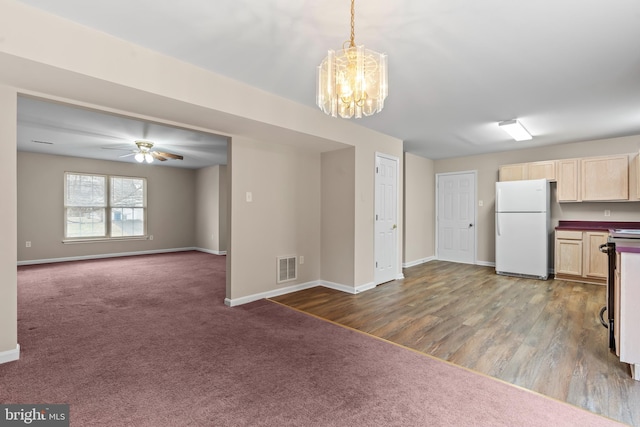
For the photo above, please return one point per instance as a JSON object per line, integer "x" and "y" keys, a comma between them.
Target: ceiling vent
{"x": 287, "y": 269}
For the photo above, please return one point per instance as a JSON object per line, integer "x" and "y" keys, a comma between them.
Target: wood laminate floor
{"x": 541, "y": 335}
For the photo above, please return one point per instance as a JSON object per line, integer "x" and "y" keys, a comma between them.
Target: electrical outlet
{"x": 480, "y": 203}
{"x": 301, "y": 260}
{"x": 249, "y": 196}
{"x": 150, "y": 236}
{"x": 607, "y": 212}
{"x": 28, "y": 244}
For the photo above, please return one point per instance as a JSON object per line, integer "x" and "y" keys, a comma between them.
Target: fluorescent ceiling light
{"x": 515, "y": 130}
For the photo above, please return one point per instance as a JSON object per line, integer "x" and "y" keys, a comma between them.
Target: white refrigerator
{"x": 523, "y": 228}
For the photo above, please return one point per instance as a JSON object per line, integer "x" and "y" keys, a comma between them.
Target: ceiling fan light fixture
{"x": 352, "y": 81}
{"x": 145, "y": 153}
{"x": 515, "y": 129}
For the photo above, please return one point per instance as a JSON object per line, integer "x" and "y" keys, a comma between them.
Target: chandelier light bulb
{"x": 139, "y": 157}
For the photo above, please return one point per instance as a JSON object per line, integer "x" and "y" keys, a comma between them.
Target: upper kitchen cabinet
{"x": 594, "y": 179}
{"x": 515, "y": 172}
{"x": 587, "y": 179}
{"x": 542, "y": 170}
{"x": 532, "y": 170}
{"x": 568, "y": 180}
{"x": 604, "y": 178}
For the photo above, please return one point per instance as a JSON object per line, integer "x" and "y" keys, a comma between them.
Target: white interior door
{"x": 456, "y": 217}
{"x": 386, "y": 219}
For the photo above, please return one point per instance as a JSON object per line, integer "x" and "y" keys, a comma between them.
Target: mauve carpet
{"x": 147, "y": 341}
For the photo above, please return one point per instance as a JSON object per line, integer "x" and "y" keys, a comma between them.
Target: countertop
{"x": 597, "y": 225}
{"x": 629, "y": 249}
{"x": 627, "y": 245}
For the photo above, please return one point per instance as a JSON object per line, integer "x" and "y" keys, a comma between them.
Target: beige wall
{"x": 338, "y": 216}
{"x": 84, "y": 67}
{"x": 211, "y": 209}
{"x": 283, "y": 218}
{"x": 419, "y": 209}
{"x": 223, "y": 226}
{"x": 487, "y": 167}
{"x": 8, "y": 217}
{"x": 171, "y": 203}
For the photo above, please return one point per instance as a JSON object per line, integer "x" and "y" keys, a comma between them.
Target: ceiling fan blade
{"x": 157, "y": 156}
{"x": 118, "y": 147}
{"x": 169, "y": 155}
{"x": 129, "y": 154}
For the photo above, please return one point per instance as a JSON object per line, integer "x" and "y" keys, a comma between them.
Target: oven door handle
{"x": 602, "y": 310}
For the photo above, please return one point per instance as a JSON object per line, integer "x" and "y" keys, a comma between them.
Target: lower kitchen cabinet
{"x": 578, "y": 256}
{"x": 595, "y": 262}
{"x": 568, "y": 253}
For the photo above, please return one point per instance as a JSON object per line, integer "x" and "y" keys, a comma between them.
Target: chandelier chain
{"x": 353, "y": 23}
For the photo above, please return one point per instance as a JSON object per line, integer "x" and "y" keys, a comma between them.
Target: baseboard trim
{"x": 101, "y": 256}
{"x": 338, "y": 287}
{"x": 365, "y": 287}
{"x": 282, "y": 291}
{"x": 210, "y": 251}
{"x": 10, "y": 355}
{"x": 418, "y": 262}
{"x": 486, "y": 263}
{"x": 269, "y": 294}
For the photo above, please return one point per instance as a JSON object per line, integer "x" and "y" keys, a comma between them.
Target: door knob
{"x": 470, "y": 225}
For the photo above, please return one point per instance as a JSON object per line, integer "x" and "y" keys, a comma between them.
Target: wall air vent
{"x": 287, "y": 268}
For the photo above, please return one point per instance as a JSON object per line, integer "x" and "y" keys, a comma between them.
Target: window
{"x": 104, "y": 207}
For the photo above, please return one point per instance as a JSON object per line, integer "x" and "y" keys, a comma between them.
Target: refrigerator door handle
{"x": 497, "y": 212}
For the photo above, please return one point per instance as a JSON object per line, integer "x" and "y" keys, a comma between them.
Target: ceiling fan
{"x": 144, "y": 153}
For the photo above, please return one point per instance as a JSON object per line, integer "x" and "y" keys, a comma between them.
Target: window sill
{"x": 104, "y": 239}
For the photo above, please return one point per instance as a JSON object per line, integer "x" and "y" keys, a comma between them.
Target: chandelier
{"x": 352, "y": 81}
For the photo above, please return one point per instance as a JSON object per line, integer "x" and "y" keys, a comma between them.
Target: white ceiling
{"x": 569, "y": 70}
{"x": 52, "y": 128}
